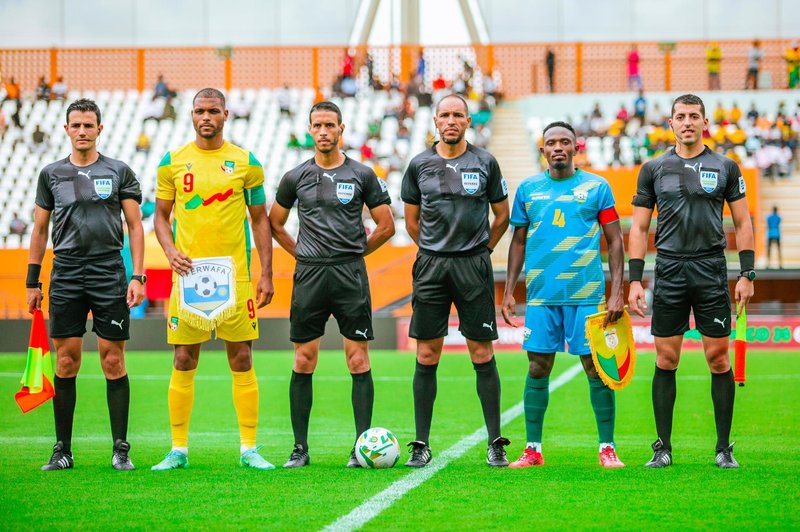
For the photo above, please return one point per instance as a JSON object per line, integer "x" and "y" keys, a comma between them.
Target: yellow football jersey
{"x": 211, "y": 189}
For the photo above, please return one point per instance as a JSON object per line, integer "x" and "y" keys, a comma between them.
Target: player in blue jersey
{"x": 557, "y": 218}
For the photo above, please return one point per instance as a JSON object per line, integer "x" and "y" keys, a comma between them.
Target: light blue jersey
{"x": 562, "y": 250}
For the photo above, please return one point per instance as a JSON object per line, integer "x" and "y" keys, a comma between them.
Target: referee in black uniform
{"x": 330, "y": 191}
{"x": 85, "y": 194}
{"x": 447, "y": 191}
{"x": 690, "y": 185}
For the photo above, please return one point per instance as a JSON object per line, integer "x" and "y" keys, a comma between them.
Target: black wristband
{"x": 635, "y": 269}
{"x": 32, "y": 280}
{"x": 747, "y": 260}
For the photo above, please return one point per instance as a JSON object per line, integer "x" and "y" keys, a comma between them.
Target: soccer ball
{"x": 206, "y": 286}
{"x": 377, "y": 448}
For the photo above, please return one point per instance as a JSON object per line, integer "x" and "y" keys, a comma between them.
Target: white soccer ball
{"x": 206, "y": 286}
{"x": 377, "y": 448}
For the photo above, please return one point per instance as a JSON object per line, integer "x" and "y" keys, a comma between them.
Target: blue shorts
{"x": 547, "y": 327}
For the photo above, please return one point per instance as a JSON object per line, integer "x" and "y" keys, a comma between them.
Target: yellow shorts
{"x": 241, "y": 327}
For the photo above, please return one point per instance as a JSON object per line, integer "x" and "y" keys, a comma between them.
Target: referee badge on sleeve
{"x": 207, "y": 294}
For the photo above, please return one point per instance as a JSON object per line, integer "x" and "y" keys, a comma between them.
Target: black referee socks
{"x": 363, "y": 397}
{"x": 118, "y": 396}
{"x": 64, "y": 409}
{"x": 424, "y": 397}
{"x": 487, "y": 381}
{"x": 664, "y": 393}
{"x": 723, "y": 392}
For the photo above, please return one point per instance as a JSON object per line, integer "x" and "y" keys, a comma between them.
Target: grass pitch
{"x": 570, "y": 491}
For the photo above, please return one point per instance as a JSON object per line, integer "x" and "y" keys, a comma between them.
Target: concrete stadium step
{"x": 784, "y": 194}
{"x": 511, "y": 147}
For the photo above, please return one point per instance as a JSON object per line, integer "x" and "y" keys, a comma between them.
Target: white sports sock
{"x": 604, "y": 445}
{"x": 535, "y": 445}
{"x": 184, "y": 450}
{"x": 244, "y": 448}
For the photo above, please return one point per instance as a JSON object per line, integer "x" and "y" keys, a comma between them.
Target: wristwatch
{"x": 141, "y": 278}
{"x": 748, "y": 274}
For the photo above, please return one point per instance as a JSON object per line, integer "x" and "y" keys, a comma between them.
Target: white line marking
{"x": 318, "y": 378}
{"x": 373, "y": 506}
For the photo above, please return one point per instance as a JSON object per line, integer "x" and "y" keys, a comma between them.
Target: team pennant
{"x": 37, "y": 381}
{"x": 613, "y": 349}
{"x": 740, "y": 348}
{"x": 207, "y": 294}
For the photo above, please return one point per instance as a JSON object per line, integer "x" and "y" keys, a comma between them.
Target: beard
{"x": 455, "y": 140}
{"x": 209, "y": 134}
{"x": 561, "y": 165}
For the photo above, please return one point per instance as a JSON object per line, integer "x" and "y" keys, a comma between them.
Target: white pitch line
{"x": 373, "y": 506}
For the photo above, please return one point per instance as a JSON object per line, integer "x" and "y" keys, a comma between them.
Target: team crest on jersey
{"x": 470, "y": 181}
{"x": 228, "y": 167}
{"x": 580, "y": 195}
{"x": 103, "y": 187}
{"x": 173, "y": 323}
{"x": 345, "y": 192}
{"x": 526, "y": 334}
{"x": 382, "y": 184}
{"x": 708, "y": 180}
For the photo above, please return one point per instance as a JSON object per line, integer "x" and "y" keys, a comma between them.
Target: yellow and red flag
{"x": 613, "y": 349}
{"x": 740, "y": 347}
{"x": 37, "y": 381}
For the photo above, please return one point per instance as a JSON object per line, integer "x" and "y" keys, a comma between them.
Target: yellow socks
{"x": 181, "y": 399}
{"x": 245, "y": 401}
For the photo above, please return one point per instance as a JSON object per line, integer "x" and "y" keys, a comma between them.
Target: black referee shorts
{"x": 698, "y": 285}
{"x": 96, "y": 285}
{"x": 467, "y": 282}
{"x": 322, "y": 290}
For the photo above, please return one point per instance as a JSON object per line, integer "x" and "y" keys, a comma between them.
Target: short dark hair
{"x": 84, "y": 105}
{"x": 209, "y": 92}
{"x": 326, "y": 106}
{"x": 560, "y": 123}
{"x": 451, "y": 95}
{"x": 689, "y": 99}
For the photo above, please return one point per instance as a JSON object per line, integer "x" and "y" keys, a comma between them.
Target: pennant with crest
{"x": 207, "y": 294}
{"x": 613, "y": 349}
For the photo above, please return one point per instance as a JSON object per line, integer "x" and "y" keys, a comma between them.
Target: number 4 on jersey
{"x": 558, "y": 218}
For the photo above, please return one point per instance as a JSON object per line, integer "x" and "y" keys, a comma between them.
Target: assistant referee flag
{"x": 37, "y": 381}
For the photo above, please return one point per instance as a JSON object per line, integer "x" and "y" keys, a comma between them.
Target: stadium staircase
{"x": 511, "y": 145}
{"x": 783, "y": 193}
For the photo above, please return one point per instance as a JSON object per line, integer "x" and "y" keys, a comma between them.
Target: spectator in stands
{"x": 754, "y": 56}
{"x": 162, "y": 90}
{"x": 3, "y": 123}
{"x": 634, "y": 77}
{"x": 369, "y": 62}
{"x": 640, "y": 107}
{"x": 439, "y": 84}
{"x": 59, "y": 91}
{"x": 15, "y": 115}
{"x": 403, "y": 133}
{"x": 421, "y": 64}
{"x": 719, "y": 114}
{"x": 735, "y": 114}
{"x": 774, "y": 236}
{"x": 42, "y": 89}
{"x": 348, "y": 64}
{"x": 143, "y": 143}
{"x": 13, "y": 92}
{"x": 17, "y": 226}
{"x": 38, "y": 140}
{"x": 284, "y": 99}
{"x": 792, "y": 57}
{"x": 622, "y": 114}
{"x": 294, "y": 142}
{"x": 713, "y": 63}
{"x": 550, "y": 61}
{"x": 752, "y": 114}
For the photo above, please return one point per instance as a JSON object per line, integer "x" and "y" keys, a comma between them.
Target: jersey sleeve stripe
{"x": 255, "y": 196}
{"x": 607, "y": 216}
{"x": 166, "y": 160}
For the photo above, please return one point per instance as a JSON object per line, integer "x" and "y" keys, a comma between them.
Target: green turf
{"x": 570, "y": 491}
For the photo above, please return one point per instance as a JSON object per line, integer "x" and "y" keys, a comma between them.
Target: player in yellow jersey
{"x": 210, "y": 185}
